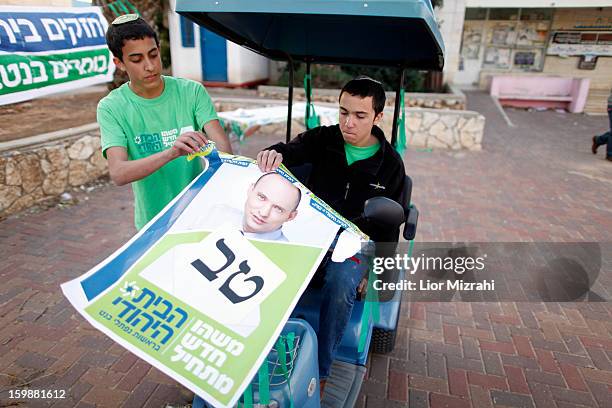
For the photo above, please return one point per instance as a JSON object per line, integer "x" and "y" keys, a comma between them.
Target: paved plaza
{"x": 537, "y": 181}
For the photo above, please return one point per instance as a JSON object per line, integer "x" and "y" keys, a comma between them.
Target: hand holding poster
{"x": 204, "y": 289}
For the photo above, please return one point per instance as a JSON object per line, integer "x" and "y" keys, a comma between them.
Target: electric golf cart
{"x": 393, "y": 33}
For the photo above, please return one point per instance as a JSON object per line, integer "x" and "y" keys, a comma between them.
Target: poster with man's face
{"x": 204, "y": 289}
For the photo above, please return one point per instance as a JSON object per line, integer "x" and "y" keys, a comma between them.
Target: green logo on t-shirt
{"x": 155, "y": 142}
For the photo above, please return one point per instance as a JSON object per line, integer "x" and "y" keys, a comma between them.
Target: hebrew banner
{"x": 49, "y": 49}
{"x": 204, "y": 289}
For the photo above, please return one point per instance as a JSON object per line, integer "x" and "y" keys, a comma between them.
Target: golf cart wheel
{"x": 383, "y": 340}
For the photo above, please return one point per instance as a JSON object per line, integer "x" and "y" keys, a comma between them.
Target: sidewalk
{"x": 537, "y": 181}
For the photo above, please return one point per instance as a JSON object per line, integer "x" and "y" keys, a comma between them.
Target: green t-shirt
{"x": 354, "y": 153}
{"x": 147, "y": 126}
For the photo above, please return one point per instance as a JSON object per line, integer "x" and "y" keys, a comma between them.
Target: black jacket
{"x": 346, "y": 188}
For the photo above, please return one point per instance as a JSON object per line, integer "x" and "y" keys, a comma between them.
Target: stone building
{"x": 570, "y": 38}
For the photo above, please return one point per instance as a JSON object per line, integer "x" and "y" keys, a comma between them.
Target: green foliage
{"x": 164, "y": 38}
{"x": 389, "y": 77}
{"x": 334, "y": 77}
{"x": 323, "y": 76}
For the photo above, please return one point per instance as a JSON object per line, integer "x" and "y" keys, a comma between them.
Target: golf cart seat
{"x": 294, "y": 378}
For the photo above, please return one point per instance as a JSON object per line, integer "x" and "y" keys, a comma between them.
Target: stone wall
{"x": 429, "y": 128}
{"x": 455, "y": 100}
{"x": 33, "y": 173}
{"x": 29, "y": 175}
{"x": 439, "y": 129}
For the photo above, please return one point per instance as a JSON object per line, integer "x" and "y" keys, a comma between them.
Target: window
{"x": 503, "y": 14}
{"x": 475, "y": 13}
{"x": 187, "y": 33}
{"x": 512, "y": 39}
{"x": 537, "y": 14}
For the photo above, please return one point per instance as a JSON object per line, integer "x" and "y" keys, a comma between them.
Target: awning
{"x": 375, "y": 32}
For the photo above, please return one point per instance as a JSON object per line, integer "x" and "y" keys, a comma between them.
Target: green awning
{"x": 374, "y": 32}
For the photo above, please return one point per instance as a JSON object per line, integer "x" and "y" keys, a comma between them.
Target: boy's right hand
{"x": 187, "y": 143}
{"x": 269, "y": 160}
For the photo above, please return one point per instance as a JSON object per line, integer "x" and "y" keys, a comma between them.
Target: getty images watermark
{"x": 495, "y": 271}
{"x": 412, "y": 264}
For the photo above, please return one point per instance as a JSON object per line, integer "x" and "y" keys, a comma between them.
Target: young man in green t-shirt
{"x": 149, "y": 122}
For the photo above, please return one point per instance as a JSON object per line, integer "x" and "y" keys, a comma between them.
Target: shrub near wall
{"x": 31, "y": 175}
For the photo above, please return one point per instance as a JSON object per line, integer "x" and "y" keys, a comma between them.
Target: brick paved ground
{"x": 537, "y": 181}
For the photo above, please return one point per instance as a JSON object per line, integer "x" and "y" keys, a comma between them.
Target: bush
{"x": 335, "y": 76}
{"x": 323, "y": 76}
{"x": 389, "y": 77}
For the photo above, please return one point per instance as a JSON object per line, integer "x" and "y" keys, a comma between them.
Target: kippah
{"x": 126, "y": 18}
{"x": 366, "y": 78}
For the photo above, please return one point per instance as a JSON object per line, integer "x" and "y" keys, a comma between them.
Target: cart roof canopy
{"x": 372, "y": 32}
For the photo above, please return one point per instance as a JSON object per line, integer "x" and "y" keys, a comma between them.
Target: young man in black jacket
{"x": 351, "y": 162}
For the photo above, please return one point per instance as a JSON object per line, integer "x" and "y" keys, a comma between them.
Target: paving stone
{"x": 470, "y": 348}
{"x": 445, "y": 349}
{"x": 374, "y": 388}
{"x": 457, "y": 382}
{"x": 100, "y": 396}
{"x": 446, "y": 401}
{"x": 451, "y": 334}
{"x": 599, "y": 358}
{"x": 377, "y": 402}
{"x": 125, "y": 362}
{"x": 134, "y": 376}
{"x": 575, "y": 397}
{"x": 544, "y": 378}
{"x": 71, "y": 376}
{"x": 73, "y": 395}
{"x": 572, "y": 376}
{"x": 574, "y": 360}
{"x": 502, "y": 332}
{"x": 410, "y": 367}
{"x": 379, "y": 368}
{"x": 600, "y": 392}
{"x": 487, "y": 381}
{"x": 547, "y": 361}
{"x": 140, "y": 394}
{"x": 418, "y": 399}
{"x": 465, "y": 364}
{"x": 487, "y": 188}
{"x": 498, "y": 347}
{"x": 480, "y": 397}
{"x": 98, "y": 359}
{"x": 492, "y": 362}
{"x": 510, "y": 399}
{"x": 436, "y": 365}
{"x": 516, "y": 380}
{"x": 596, "y": 375}
{"x": 523, "y": 346}
{"x": 417, "y": 351}
{"x": 165, "y": 394}
{"x": 398, "y": 386}
{"x": 35, "y": 361}
{"x": 428, "y": 384}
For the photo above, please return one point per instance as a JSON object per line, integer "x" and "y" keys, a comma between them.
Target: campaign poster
{"x": 203, "y": 290}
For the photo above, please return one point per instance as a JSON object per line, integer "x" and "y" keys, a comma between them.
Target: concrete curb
{"x": 47, "y": 137}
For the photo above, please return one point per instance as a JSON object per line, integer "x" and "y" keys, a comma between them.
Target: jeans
{"x": 340, "y": 281}
{"x": 605, "y": 138}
